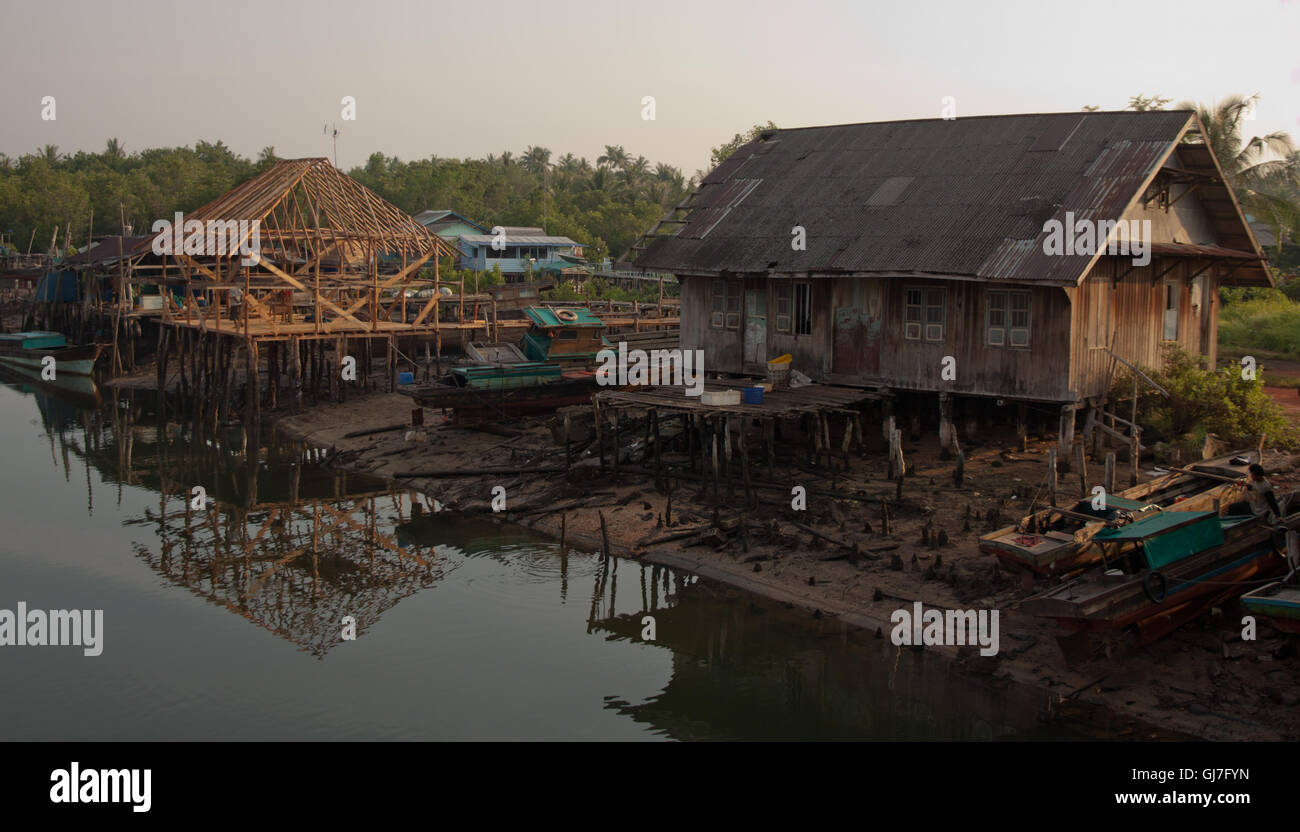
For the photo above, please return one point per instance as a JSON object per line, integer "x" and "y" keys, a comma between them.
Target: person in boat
{"x": 1260, "y": 499}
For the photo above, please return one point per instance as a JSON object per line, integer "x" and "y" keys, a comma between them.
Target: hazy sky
{"x": 470, "y": 78}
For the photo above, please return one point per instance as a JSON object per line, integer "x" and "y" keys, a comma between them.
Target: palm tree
{"x": 614, "y": 157}
{"x": 536, "y": 159}
{"x": 599, "y": 181}
{"x": 1243, "y": 162}
{"x": 634, "y": 172}
{"x": 113, "y": 149}
{"x": 507, "y": 158}
{"x": 1263, "y": 171}
{"x": 50, "y": 153}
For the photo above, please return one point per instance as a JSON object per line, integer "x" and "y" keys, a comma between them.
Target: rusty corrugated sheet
{"x": 975, "y": 205}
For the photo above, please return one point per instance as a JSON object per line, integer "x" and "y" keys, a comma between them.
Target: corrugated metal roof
{"x": 960, "y": 197}
{"x": 522, "y": 240}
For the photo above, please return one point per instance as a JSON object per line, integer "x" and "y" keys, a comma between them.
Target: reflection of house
{"x": 521, "y": 250}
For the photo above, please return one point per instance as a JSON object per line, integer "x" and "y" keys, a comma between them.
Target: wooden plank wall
{"x": 1059, "y": 365}
{"x": 1137, "y": 317}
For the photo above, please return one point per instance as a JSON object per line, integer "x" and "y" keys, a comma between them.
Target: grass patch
{"x": 1269, "y": 321}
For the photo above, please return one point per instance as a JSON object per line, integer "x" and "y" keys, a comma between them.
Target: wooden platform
{"x": 812, "y": 398}
{"x": 262, "y": 330}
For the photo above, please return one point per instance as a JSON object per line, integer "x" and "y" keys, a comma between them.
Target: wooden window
{"x": 1007, "y": 319}
{"x": 802, "y": 309}
{"x": 1172, "y": 291}
{"x": 726, "y": 304}
{"x": 923, "y": 314}
{"x": 784, "y": 305}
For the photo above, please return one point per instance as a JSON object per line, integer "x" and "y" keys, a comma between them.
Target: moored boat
{"x": 553, "y": 373}
{"x": 32, "y": 349}
{"x": 1163, "y": 570}
{"x": 1279, "y": 601}
{"x": 1052, "y": 540}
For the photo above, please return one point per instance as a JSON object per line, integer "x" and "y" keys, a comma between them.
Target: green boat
{"x": 567, "y": 335}
{"x": 508, "y": 376}
{"x": 31, "y": 349}
{"x": 1279, "y": 601}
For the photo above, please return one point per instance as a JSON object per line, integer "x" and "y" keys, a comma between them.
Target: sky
{"x": 468, "y": 79}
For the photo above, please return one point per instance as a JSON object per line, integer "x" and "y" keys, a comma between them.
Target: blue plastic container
{"x": 406, "y": 378}
{"x": 753, "y": 395}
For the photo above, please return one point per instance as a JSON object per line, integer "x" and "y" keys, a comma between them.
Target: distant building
{"x": 525, "y": 250}
{"x": 526, "y": 247}
{"x": 448, "y": 224}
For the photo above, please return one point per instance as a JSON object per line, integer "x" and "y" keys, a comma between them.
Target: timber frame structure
{"x": 323, "y": 237}
{"x": 309, "y": 259}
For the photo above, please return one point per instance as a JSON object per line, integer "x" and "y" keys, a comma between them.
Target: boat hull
{"x": 70, "y": 360}
{"x": 1278, "y": 602}
{"x": 471, "y": 405}
{"x": 1102, "y": 603}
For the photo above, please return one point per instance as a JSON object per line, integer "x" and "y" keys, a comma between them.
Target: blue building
{"x": 522, "y": 251}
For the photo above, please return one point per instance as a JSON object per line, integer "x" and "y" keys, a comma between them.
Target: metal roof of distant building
{"x": 961, "y": 197}
{"x": 442, "y": 216}
{"x": 111, "y": 249}
{"x": 522, "y": 240}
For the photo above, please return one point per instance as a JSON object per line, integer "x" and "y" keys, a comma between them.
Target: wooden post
{"x": 945, "y": 426}
{"x": 1108, "y": 479}
{"x": 1065, "y": 436}
{"x": 654, "y": 427}
{"x": 744, "y": 466}
{"x": 1136, "y": 447}
{"x": 568, "y": 451}
{"x": 714, "y": 444}
{"x": 1022, "y": 426}
{"x": 600, "y": 442}
{"x": 769, "y": 439}
{"x": 614, "y": 415}
{"x": 959, "y": 473}
{"x": 1081, "y": 462}
{"x": 296, "y": 372}
{"x": 1051, "y": 475}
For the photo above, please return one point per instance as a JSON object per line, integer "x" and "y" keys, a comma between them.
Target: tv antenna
{"x": 334, "y": 131}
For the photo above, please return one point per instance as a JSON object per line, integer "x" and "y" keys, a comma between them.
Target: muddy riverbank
{"x": 1203, "y": 680}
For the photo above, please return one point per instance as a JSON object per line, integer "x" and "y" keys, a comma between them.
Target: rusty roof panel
{"x": 975, "y": 200}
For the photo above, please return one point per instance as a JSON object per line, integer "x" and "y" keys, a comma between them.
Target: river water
{"x": 228, "y": 621}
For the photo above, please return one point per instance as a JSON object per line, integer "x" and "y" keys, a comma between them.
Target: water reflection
{"x": 515, "y": 636}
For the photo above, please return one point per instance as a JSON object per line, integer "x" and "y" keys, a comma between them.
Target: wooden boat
{"x": 553, "y": 373}
{"x": 1279, "y": 602}
{"x": 570, "y": 336}
{"x": 31, "y": 349}
{"x": 473, "y": 404}
{"x": 1052, "y": 540}
{"x": 1161, "y": 571}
